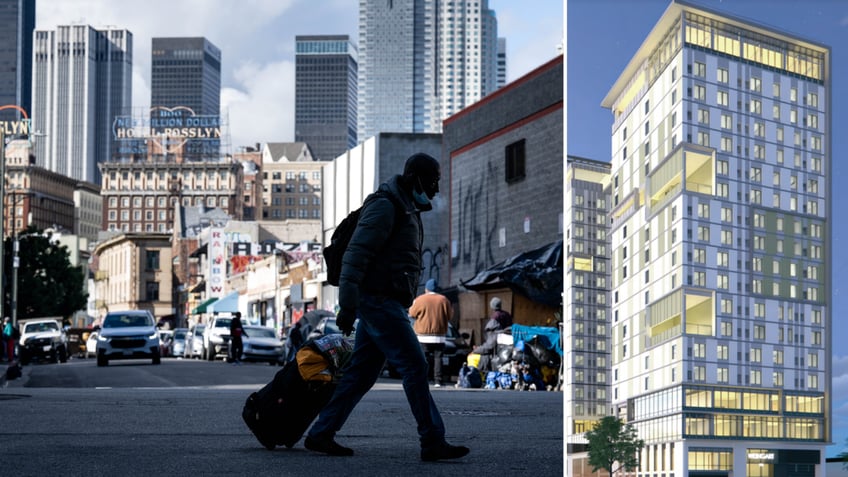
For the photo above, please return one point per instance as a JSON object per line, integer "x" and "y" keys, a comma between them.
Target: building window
{"x": 152, "y": 291}
{"x": 515, "y": 162}
{"x": 152, "y": 260}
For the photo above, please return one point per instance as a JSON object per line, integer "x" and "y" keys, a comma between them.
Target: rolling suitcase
{"x": 280, "y": 412}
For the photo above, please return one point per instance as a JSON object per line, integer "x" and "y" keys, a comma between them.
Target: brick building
{"x": 502, "y": 174}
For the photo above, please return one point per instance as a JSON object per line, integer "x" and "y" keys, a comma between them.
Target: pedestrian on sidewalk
{"x": 431, "y": 312}
{"x": 8, "y": 339}
{"x": 380, "y": 271}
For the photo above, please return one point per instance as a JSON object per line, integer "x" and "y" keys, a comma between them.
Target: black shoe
{"x": 327, "y": 446}
{"x": 443, "y": 451}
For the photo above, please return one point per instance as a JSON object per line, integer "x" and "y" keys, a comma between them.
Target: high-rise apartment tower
{"x": 420, "y": 61}
{"x": 720, "y": 238}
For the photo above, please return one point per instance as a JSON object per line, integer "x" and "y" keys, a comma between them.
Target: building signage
{"x": 217, "y": 273}
{"x": 761, "y": 456}
{"x": 170, "y": 129}
{"x": 16, "y": 128}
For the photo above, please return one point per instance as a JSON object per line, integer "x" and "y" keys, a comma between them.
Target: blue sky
{"x": 257, "y": 50}
{"x": 602, "y": 36}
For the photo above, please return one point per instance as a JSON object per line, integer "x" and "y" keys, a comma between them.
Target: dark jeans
{"x": 435, "y": 350}
{"x": 383, "y": 333}
{"x": 235, "y": 348}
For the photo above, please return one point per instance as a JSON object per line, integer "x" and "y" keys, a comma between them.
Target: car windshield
{"x": 179, "y": 334}
{"x": 39, "y": 327}
{"x": 223, "y": 323}
{"x": 258, "y": 332}
{"x": 122, "y": 320}
{"x": 199, "y": 331}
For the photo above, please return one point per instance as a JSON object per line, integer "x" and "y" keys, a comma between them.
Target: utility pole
{"x": 2, "y": 215}
{"x": 15, "y": 260}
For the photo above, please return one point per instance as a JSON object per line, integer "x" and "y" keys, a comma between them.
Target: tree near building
{"x": 48, "y": 285}
{"x": 612, "y": 441}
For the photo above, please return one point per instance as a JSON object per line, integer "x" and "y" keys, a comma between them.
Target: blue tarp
{"x": 524, "y": 333}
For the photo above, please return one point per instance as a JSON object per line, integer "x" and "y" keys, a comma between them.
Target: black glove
{"x": 345, "y": 319}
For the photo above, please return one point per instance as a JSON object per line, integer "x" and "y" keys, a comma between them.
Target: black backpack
{"x": 334, "y": 252}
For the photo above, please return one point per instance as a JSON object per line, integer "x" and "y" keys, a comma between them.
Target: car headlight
{"x": 154, "y": 336}
{"x": 102, "y": 338}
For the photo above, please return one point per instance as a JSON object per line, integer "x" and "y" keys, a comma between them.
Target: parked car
{"x": 91, "y": 344}
{"x": 166, "y": 339}
{"x": 261, "y": 343}
{"x": 216, "y": 338}
{"x": 43, "y": 339}
{"x": 178, "y": 344}
{"x": 129, "y": 334}
{"x": 194, "y": 341}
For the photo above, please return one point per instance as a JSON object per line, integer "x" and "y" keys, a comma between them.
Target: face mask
{"x": 420, "y": 197}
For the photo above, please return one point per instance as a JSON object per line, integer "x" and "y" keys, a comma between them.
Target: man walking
{"x": 236, "y": 332}
{"x": 379, "y": 276}
{"x": 431, "y": 312}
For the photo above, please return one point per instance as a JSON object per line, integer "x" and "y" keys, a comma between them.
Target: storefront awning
{"x": 227, "y": 304}
{"x": 201, "y": 308}
{"x": 201, "y": 286}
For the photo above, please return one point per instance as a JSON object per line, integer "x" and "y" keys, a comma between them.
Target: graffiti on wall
{"x": 432, "y": 261}
{"x": 477, "y": 219}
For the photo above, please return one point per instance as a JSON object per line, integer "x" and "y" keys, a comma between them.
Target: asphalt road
{"x": 184, "y": 418}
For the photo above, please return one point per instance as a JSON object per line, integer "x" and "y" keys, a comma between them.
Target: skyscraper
{"x": 325, "y": 94}
{"x": 501, "y": 80}
{"x": 720, "y": 238}
{"x": 186, "y": 72}
{"x": 17, "y": 21}
{"x": 421, "y": 61}
{"x": 586, "y": 313}
{"x": 82, "y": 79}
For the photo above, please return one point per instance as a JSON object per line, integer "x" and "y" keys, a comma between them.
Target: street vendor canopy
{"x": 536, "y": 274}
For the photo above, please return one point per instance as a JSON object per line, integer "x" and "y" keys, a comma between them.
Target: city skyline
{"x": 258, "y": 58}
{"x": 589, "y": 125}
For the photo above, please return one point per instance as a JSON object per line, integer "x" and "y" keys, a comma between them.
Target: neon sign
{"x": 16, "y": 128}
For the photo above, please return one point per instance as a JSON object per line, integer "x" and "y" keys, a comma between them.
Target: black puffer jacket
{"x": 383, "y": 257}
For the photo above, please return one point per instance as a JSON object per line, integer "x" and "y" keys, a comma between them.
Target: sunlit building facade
{"x": 720, "y": 225}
